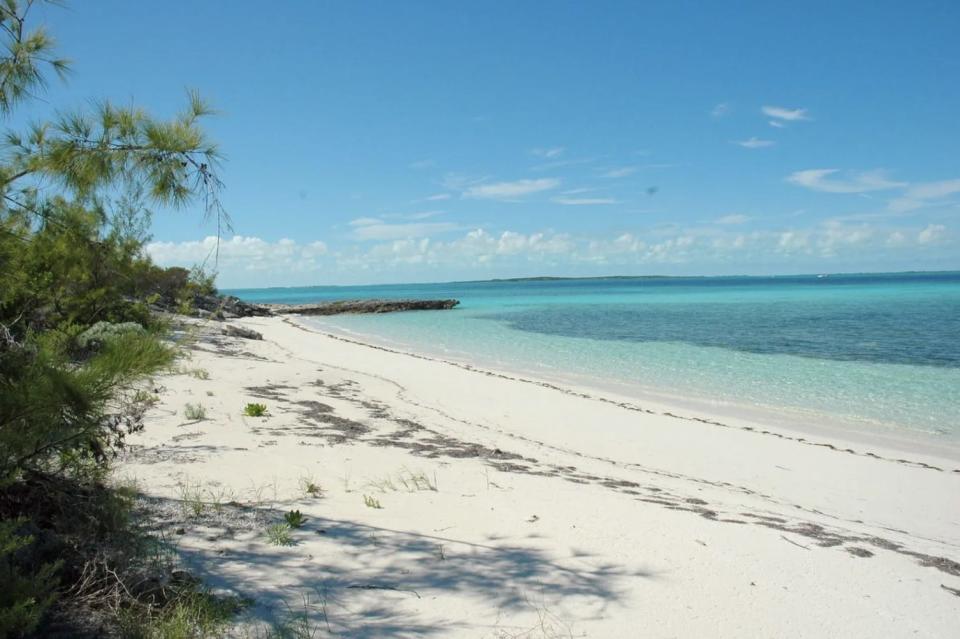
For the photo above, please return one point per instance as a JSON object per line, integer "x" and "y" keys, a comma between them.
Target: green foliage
{"x": 310, "y": 487}
{"x": 255, "y": 410}
{"x": 26, "y": 54}
{"x": 295, "y": 518}
{"x": 279, "y": 534}
{"x": 191, "y": 499}
{"x": 192, "y": 614}
{"x": 195, "y": 412}
{"x": 56, "y": 414}
{"x": 27, "y": 591}
{"x": 371, "y": 502}
{"x": 77, "y": 336}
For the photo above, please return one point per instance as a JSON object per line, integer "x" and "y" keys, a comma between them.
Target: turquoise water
{"x": 877, "y": 352}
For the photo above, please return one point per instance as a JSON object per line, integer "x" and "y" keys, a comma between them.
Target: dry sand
{"x": 517, "y": 508}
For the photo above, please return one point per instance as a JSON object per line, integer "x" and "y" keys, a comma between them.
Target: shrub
{"x": 279, "y": 534}
{"x": 371, "y": 502}
{"x": 295, "y": 519}
{"x": 100, "y": 333}
{"x": 255, "y": 410}
{"x": 25, "y": 593}
{"x": 309, "y": 486}
{"x": 195, "y": 412}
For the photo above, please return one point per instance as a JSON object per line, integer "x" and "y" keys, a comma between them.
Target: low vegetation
{"x": 295, "y": 519}
{"x": 195, "y": 412}
{"x": 310, "y": 487}
{"x": 255, "y": 410}
{"x": 279, "y": 534}
{"x": 405, "y": 480}
{"x": 80, "y": 336}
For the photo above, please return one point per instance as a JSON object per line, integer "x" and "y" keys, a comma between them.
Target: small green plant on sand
{"x": 255, "y": 410}
{"x": 371, "y": 502}
{"x": 406, "y": 480}
{"x": 279, "y": 534}
{"x": 295, "y": 519}
{"x": 191, "y": 499}
{"x": 200, "y": 373}
{"x": 310, "y": 487}
{"x": 195, "y": 412}
{"x": 144, "y": 398}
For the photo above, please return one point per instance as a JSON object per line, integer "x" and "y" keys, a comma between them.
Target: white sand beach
{"x": 516, "y": 508}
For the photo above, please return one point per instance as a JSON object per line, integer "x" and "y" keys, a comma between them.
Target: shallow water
{"x": 872, "y": 351}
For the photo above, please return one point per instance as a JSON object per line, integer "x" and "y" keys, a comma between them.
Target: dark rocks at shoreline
{"x": 230, "y": 307}
{"x": 225, "y": 307}
{"x": 362, "y": 306}
{"x": 231, "y": 330}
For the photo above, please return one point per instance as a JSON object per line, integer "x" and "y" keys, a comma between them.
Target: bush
{"x": 26, "y": 593}
{"x": 100, "y": 333}
{"x": 255, "y": 410}
{"x": 76, "y": 331}
{"x": 279, "y": 535}
{"x": 195, "y": 412}
{"x": 295, "y": 519}
{"x": 57, "y": 414}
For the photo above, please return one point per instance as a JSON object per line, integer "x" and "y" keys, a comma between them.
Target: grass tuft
{"x": 279, "y": 534}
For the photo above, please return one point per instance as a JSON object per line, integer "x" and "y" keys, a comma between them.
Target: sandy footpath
{"x": 515, "y": 508}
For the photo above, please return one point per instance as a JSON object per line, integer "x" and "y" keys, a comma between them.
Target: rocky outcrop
{"x": 362, "y": 306}
{"x": 229, "y": 307}
{"x": 224, "y": 307}
{"x": 232, "y": 330}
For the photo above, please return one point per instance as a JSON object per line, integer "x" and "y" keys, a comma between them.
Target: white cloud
{"x": 720, "y": 110}
{"x": 732, "y": 219}
{"x": 398, "y": 252}
{"x": 785, "y": 115}
{"x": 934, "y": 190}
{"x": 584, "y": 201}
{"x": 239, "y": 253}
{"x": 379, "y": 230}
{"x": 510, "y": 190}
{"x": 422, "y": 164}
{"x": 364, "y": 221}
{"x": 549, "y": 153}
{"x": 459, "y": 181}
{"x": 438, "y": 197}
{"x": 851, "y": 182}
{"x": 620, "y": 172}
{"x": 755, "y": 143}
{"x": 422, "y": 215}
{"x": 791, "y": 241}
{"x": 925, "y": 194}
{"x": 933, "y": 233}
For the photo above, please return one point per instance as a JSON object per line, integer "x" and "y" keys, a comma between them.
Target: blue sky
{"x": 426, "y": 141}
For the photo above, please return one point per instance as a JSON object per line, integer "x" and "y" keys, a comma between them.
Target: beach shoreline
{"x": 617, "y": 513}
{"x": 787, "y": 421}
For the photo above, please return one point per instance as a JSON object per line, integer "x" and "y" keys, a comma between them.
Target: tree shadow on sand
{"x": 355, "y": 580}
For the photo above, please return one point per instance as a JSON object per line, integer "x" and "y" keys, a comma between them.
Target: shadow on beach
{"x": 356, "y": 580}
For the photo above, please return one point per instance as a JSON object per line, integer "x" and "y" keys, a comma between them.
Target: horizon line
{"x": 543, "y": 278}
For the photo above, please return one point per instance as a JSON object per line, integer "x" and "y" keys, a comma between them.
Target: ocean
{"x": 871, "y": 352}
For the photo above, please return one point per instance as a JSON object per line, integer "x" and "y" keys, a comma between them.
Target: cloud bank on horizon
{"x": 465, "y": 145}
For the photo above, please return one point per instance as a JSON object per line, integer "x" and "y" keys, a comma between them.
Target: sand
{"x": 511, "y": 507}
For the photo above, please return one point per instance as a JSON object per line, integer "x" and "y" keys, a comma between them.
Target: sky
{"x": 377, "y": 142}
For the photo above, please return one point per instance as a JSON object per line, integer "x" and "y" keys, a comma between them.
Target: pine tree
{"x": 75, "y": 333}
